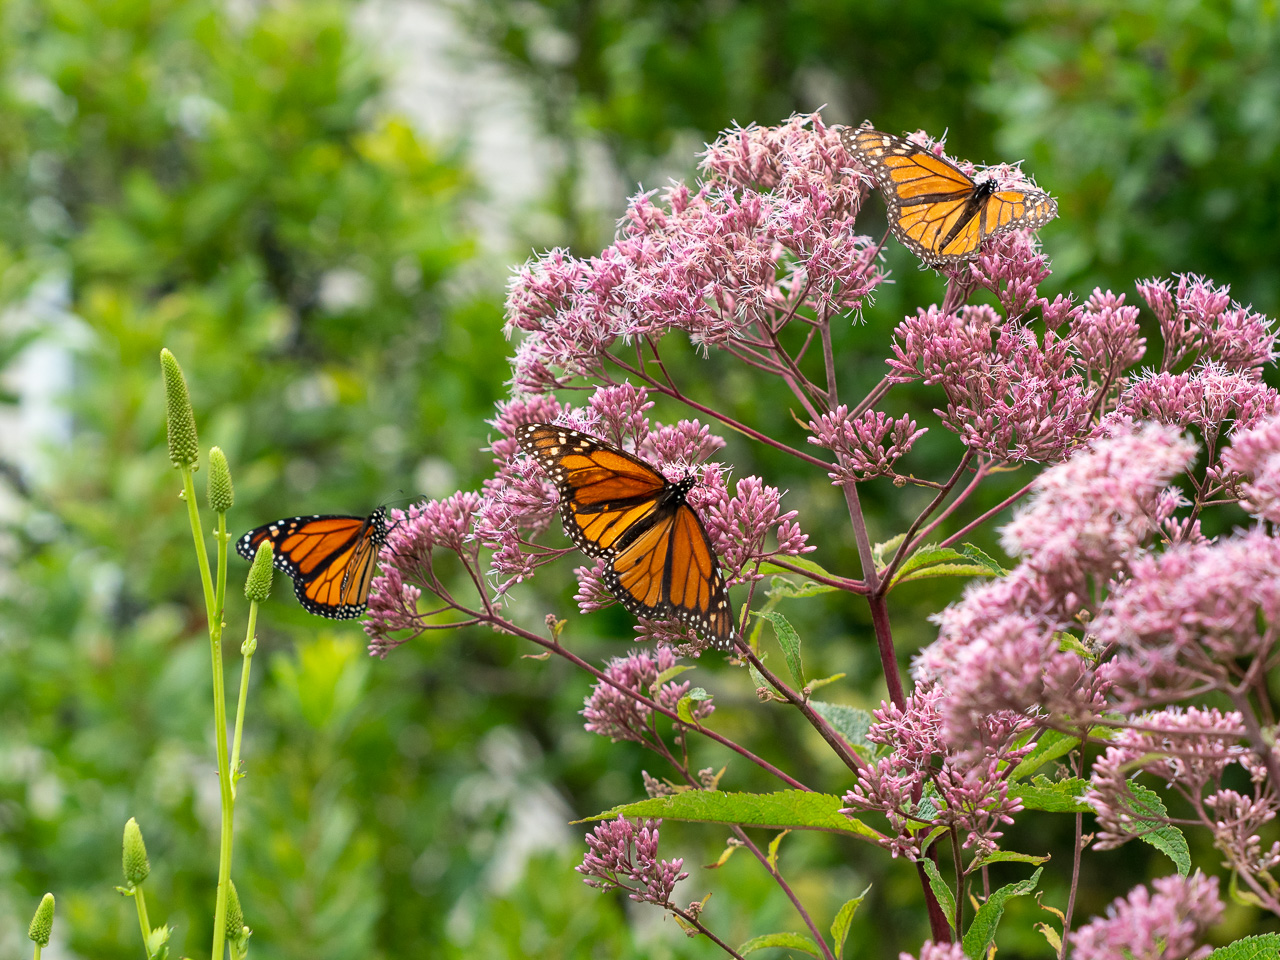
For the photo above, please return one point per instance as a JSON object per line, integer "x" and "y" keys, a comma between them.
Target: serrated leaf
{"x": 788, "y": 640}
{"x": 789, "y": 941}
{"x": 1148, "y": 813}
{"x": 774, "y": 844}
{"x": 1051, "y": 745}
{"x": 1053, "y": 796}
{"x": 941, "y": 891}
{"x": 974, "y": 553}
{"x": 819, "y": 684}
{"x": 844, "y": 917}
{"x": 1008, "y": 856}
{"x": 668, "y": 674}
{"x": 982, "y": 931}
{"x": 1265, "y": 946}
{"x": 932, "y": 560}
{"x": 782, "y": 810}
{"x": 852, "y": 723}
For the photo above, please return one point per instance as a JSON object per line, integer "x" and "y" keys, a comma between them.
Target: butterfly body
{"x": 330, "y": 557}
{"x": 937, "y": 210}
{"x": 660, "y": 562}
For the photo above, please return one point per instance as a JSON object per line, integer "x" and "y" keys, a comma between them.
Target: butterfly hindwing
{"x": 331, "y": 558}
{"x": 935, "y": 209}
{"x": 660, "y": 562}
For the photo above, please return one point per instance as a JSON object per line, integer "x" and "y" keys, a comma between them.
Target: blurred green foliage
{"x": 227, "y": 179}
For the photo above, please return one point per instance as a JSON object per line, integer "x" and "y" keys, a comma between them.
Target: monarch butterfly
{"x": 330, "y": 558}
{"x": 937, "y": 211}
{"x": 661, "y": 564}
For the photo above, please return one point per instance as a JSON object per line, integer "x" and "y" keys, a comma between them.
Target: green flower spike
{"x": 183, "y": 448}
{"x": 258, "y": 585}
{"x": 222, "y": 494}
{"x": 235, "y": 916}
{"x": 42, "y": 922}
{"x": 136, "y": 864}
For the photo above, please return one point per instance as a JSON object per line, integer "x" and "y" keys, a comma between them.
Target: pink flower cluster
{"x": 1168, "y": 924}
{"x": 969, "y": 792}
{"x": 770, "y": 230}
{"x": 617, "y": 714}
{"x": 1089, "y": 521}
{"x": 1201, "y": 323}
{"x": 622, "y": 855}
{"x": 867, "y": 445}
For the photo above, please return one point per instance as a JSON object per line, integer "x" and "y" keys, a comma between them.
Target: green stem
{"x": 141, "y": 901}
{"x": 220, "y": 597}
{"x": 37, "y": 952}
{"x": 250, "y": 644}
{"x": 202, "y": 553}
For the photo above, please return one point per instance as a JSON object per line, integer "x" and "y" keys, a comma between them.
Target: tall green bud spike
{"x": 136, "y": 864}
{"x": 258, "y": 585}
{"x": 183, "y": 448}
{"x": 42, "y": 922}
{"x": 235, "y": 916}
{"x": 221, "y": 494}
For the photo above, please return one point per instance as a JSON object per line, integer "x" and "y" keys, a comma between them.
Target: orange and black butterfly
{"x": 936, "y": 210}
{"x": 331, "y": 558}
{"x": 615, "y": 506}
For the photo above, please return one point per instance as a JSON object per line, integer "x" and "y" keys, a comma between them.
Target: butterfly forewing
{"x": 615, "y": 506}
{"x": 331, "y": 558}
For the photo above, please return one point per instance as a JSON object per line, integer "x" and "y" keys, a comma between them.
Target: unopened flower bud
{"x": 220, "y": 492}
{"x": 235, "y": 916}
{"x": 42, "y": 923}
{"x": 257, "y": 587}
{"x": 183, "y": 447}
{"x": 136, "y": 864}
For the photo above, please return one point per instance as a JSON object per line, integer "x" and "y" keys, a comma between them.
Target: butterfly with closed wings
{"x": 935, "y": 209}
{"x": 660, "y": 562}
{"x": 331, "y": 558}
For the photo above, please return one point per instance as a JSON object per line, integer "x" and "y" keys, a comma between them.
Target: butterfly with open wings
{"x": 940, "y": 213}
{"x": 660, "y": 562}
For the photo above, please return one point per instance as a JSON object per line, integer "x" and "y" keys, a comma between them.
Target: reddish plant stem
{"x": 908, "y": 540}
{"x": 1002, "y": 505}
{"x": 727, "y": 421}
{"x": 840, "y": 583}
{"x": 888, "y": 656}
{"x": 555, "y": 647}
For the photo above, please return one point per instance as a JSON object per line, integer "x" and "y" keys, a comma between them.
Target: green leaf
{"x": 1148, "y": 814}
{"x": 932, "y": 560}
{"x": 852, "y": 723}
{"x": 982, "y": 931}
{"x": 774, "y": 844}
{"x": 781, "y": 588}
{"x": 804, "y": 563}
{"x": 881, "y": 552}
{"x": 1265, "y": 946}
{"x": 783, "y": 810}
{"x": 789, "y": 640}
{"x": 819, "y": 684}
{"x": 790, "y": 941}
{"x": 669, "y": 674}
{"x": 758, "y": 678}
{"x": 844, "y": 917}
{"x": 1008, "y": 856}
{"x": 684, "y": 708}
{"x": 973, "y": 553}
{"x": 1055, "y": 796}
{"x": 1051, "y": 745}
{"x": 941, "y": 891}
